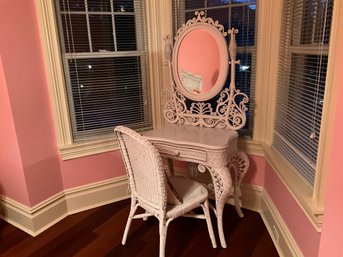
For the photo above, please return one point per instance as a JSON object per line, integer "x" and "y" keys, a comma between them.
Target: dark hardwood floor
{"x": 98, "y": 232}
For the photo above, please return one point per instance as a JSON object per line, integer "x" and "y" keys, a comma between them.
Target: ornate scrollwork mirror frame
{"x": 217, "y": 35}
{"x": 230, "y": 111}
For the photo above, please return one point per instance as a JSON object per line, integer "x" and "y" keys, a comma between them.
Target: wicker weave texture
{"x": 149, "y": 187}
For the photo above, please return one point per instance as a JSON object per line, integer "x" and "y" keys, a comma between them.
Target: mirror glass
{"x": 200, "y": 61}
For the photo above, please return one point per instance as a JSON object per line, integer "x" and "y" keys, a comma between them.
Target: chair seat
{"x": 191, "y": 192}
{"x": 150, "y": 187}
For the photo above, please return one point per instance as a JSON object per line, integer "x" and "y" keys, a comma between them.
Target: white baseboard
{"x": 255, "y": 198}
{"x": 96, "y": 194}
{"x": 47, "y": 213}
{"x": 277, "y": 228}
{"x": 36, "y": 219}
{"x": 251, "y": 197}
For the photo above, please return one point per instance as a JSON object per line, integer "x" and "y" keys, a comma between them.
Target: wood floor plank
{"x": 98, "y": 233}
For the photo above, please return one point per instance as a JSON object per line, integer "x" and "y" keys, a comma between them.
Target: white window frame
{"x": 54, "y": 70}
{"x": 311, "y": 200}
{"x": 303, "y": 50}
{"x": 69, "y": 55}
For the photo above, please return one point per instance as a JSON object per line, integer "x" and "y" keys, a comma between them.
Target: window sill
{"x": 301, "y": 192}
{"x": 250, "y": 146}
{"x": 87, "y": 148}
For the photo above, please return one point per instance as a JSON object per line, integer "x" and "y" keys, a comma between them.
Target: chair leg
{"x": 129, "y": 219}
{"x": 146, "y": 218}
{"x": 163, "y": 237}
{"x": 206, "y": 209}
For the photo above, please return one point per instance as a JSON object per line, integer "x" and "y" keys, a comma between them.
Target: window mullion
{"x": 229, "y": 18}
{"x": 296, "y": 19}
{"x": 114, "y": 28}
{"x": 88, "y": 28}
{"x": 103, "y": 54}
{"x": 309, "y": 49}
{"x": 314, "y": 20}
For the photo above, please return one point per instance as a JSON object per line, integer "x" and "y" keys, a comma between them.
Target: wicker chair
{"x": 151, "y": 188}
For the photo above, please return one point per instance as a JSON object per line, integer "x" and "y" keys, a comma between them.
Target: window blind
{"x": 240, "y": 14}
{"x": 305, "y": 37}
{"x": 104, "y": 51}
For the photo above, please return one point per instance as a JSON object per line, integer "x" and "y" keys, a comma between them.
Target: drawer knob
{"x": 171, "y": 152}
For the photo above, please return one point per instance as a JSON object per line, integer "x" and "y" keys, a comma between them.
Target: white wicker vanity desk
{"x": 202, "y": 116}
{"x": 215, "y": 150}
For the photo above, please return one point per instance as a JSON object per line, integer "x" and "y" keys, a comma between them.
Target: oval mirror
{"x": 200, "y": 61}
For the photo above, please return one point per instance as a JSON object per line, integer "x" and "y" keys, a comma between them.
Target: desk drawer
{"x": 182, "y": 152}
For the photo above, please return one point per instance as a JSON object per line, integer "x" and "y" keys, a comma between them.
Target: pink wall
{"x": 302, "y": 230}
{"x": 33, "y": 171}
{"x": 331, "y": 242}
{"x": 27, "y": 91}
{"x": 11, "y": 169}
{"x": 90, "y": 169}
{"x": 256, "y": 171}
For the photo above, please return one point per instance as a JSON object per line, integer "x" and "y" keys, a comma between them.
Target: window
{"x": 104, "y": 55}
{"x": 305, "y": 37}
{"x": 240, "y": 14}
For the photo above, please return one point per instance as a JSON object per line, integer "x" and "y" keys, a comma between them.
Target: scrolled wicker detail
{"x": 239, "y": 162}
{"x": 200, "y": 18}
{"x": 227, "y": 114}
{"x": 217, "y": 187}
{"x": 230, "y": 110}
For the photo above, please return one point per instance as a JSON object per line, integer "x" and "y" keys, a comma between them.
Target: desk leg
{"x": 169, "y": 166}
{"x": 222, "y": 187}
{"x": 192, "y": 170}
{"x": 239, "y": 164}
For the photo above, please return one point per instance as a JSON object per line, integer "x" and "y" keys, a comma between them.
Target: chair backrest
{"x": 144, "y": 167}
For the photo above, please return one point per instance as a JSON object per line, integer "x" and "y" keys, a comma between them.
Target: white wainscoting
{"x": 277, "y": 228}
{"x": 47, "y": 213}
{"x": 40, "y": 217}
